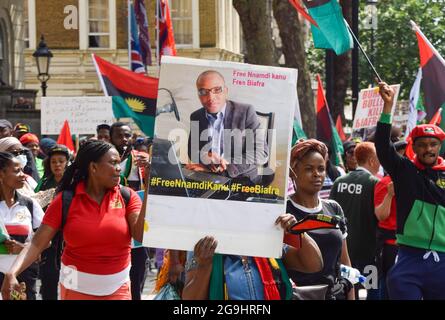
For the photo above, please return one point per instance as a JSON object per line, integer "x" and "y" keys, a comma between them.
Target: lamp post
{"x": 43, "y": 58}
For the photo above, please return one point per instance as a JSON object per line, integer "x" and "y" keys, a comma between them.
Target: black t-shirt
{"x": 330, "y": 242}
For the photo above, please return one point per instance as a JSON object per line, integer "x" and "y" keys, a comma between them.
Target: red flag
{"x": 65, "y": 136}
{"x": 339, "y": 127}
{"x": 324, "y": 125}
{"x": 167, "y": 45}
{"x": 303, "y": 12}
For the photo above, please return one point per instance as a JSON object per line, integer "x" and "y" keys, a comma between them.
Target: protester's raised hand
{"x": 387, "y": 93}
{"x": 204, "y": 250}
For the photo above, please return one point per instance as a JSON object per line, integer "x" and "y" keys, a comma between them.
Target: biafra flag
{"x": 433, "y": 74}
{"x": 326, "y": 130}
{"x": 134, "y": 94}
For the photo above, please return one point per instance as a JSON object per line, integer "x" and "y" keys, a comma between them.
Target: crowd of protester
{"x": 57, "y": 206}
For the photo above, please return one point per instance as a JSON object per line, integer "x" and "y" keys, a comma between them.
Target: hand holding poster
{"x": 220, "y": 156}
{"x": 370, "y": 106}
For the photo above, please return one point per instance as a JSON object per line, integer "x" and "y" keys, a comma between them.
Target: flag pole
{"x": 364, "y": 53}
{"x": 129, "y": 33}
{"x": 77, "y": 142}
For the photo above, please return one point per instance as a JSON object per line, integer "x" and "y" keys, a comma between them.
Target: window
{"x": 98, "y": 24}
{"x": 181, "y": 14}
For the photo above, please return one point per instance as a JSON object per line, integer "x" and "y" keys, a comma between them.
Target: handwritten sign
{"x": 84, "y": 114}
{"x": 370, "y": 106}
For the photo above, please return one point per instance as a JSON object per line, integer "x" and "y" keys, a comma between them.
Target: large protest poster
{"x": 240, "y": 200}
{"x": 84, "y": 114}
{"x": 370, "y": 106}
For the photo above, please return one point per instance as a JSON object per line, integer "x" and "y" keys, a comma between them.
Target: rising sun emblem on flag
{"x": 135, "y": 104}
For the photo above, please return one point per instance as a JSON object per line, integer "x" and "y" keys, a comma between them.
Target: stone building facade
{"x": 207, "y": 29}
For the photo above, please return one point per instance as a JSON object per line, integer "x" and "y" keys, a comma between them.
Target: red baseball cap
{"x": 427, "y": 130}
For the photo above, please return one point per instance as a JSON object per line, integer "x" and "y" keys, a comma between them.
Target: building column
{"x": 220, "y": 13}
{"x": 18, "y": 66}
{"x": 32, "y": 28}
{"x": 236, "y": 35}
{"x": 228, "y": 25}
{"x": 195, "y": 25}
{"x": 83, "y": 24}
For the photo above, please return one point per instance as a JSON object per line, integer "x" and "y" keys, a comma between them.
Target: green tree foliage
{"x": 396, "y": 54}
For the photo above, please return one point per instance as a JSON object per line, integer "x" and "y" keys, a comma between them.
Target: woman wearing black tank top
{"x": 308, "y": 171}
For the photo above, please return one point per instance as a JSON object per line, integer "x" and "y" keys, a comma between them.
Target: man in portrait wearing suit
{"x": 225, "y": 136}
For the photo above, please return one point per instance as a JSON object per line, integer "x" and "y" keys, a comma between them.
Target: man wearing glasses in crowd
{"x": 223, "y": 137}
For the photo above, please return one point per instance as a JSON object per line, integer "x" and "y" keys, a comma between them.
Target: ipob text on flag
{"x": 134, "y": 95}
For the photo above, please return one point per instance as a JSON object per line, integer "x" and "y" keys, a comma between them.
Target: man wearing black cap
{"x": 5, "y": 128}
{"x": 419, "y": 272}
{"x": 21, "y": 129}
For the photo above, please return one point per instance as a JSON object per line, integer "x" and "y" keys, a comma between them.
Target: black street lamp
{"x": 43, "y": 58}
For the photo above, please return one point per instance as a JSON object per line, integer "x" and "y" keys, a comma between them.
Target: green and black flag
{"x": 329, "y": 29}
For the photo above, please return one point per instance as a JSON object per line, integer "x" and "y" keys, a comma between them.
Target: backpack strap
{"x": 30, "y": 206}
{"x": 126, "y": 195}
{"x": 26, "y": 202}
{"x": 67, "y": 198}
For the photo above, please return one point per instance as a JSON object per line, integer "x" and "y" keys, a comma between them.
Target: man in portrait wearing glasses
{"x": 225, "y": 137}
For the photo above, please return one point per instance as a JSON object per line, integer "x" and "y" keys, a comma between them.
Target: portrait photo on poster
{"x": 222, "y": 134}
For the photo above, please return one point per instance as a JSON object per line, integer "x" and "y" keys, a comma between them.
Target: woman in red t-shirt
{"x": 98, "y": 230}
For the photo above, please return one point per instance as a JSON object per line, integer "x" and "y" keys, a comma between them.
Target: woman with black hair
{"x": 97, "y": 230}
{"x": 308, "y": 168}
{"x": 20, "y": 215}
{"x": 55, "y": 165}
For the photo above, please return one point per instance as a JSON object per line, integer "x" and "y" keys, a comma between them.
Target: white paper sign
{"x": 370, "y": 106}
{"x": 84, "y": 114}
{"x": 183, "y": 207}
